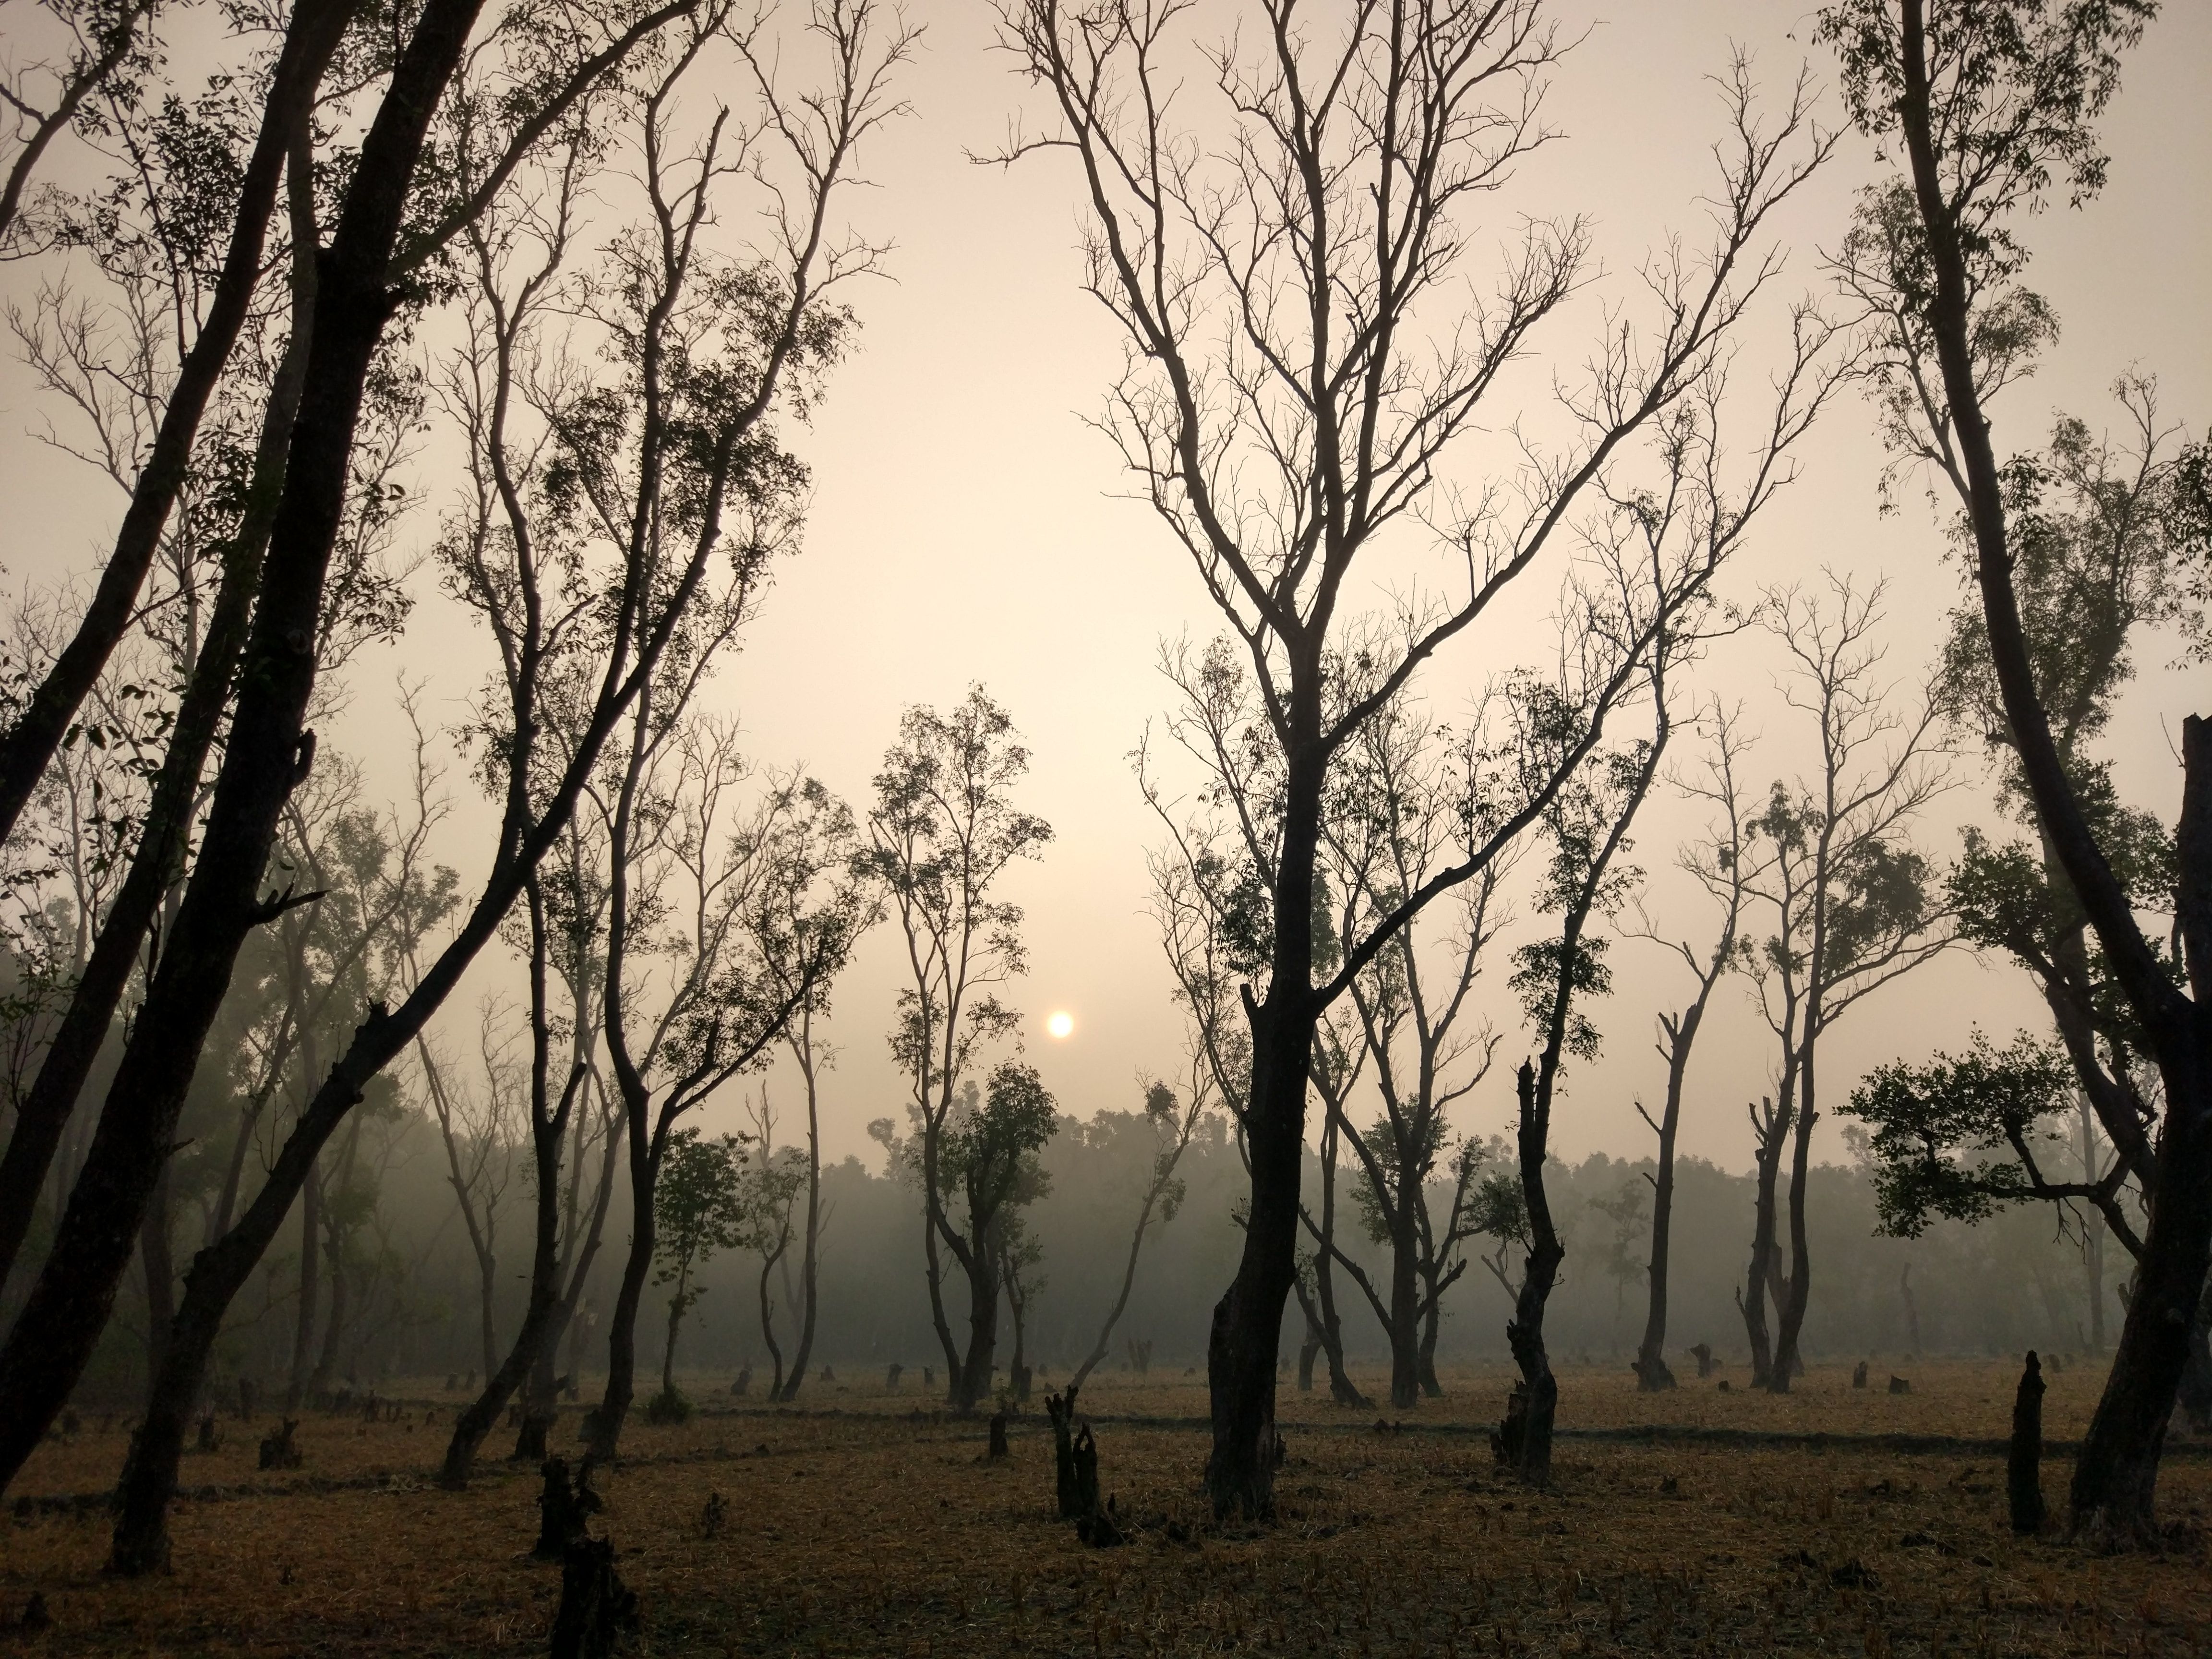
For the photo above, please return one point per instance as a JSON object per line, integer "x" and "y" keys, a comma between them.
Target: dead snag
{"x": 999, "y": 1437}
{"x": 1095, "y": 1522}
{"x": 1060, "y": 1408}
{"x": 2023, "y": 1465}
{"x": 1702, "y": 1354}
{"x": 563, "y": 1511}
{"x": 892, "y": 1377}
{"x": 1859, "y": 1375}
{"x": 278, "y": 1450}
{"x": 595, "y": 1607}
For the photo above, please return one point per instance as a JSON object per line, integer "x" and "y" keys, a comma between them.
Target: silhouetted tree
{"x": 944, "y": 831}
{"x": 1848, "y": 891}
{"x": 1989, "y": 106}
{"x": 1286, "y": 402}
{"x": 1719, "y": 863}
{"x": 700, "y": 1205}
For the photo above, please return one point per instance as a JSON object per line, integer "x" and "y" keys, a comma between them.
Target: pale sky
{"x": 965, "y": 527}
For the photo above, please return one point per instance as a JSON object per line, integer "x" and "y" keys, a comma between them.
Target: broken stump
{"x": 2024, "y": 1462}
{"x": 596, "y": 1607}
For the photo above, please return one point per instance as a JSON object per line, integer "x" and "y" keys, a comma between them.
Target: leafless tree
{"x": 1300, "y": 366}
{"x": 1719, "y": 863}
{"x": 1851, "y": 897}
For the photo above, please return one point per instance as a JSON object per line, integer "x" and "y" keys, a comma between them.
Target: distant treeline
{"x": 411, "y": 1307}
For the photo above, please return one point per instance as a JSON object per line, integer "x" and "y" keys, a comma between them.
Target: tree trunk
{"x": 29, "y": 743}
{"x": 1653, "y": 1374}
{"x": 2116, "y": 1477}
{"x": 777, "y": 1381}
{"x": 1405, "y": 1310}
{"x": 1341, "y": 1389}
{"x": 1751, "y": 1300}
{"x": 607, "y": 1422}
{"x": 1524, "y": 1333}
{"x": 266, "y": 757}
{"x": 675, "y": 1322}
{"x": 1247, "y": 1331}
{"x": 311, "y": 1280}
{"x": 973, "y": 1385}
{"x": 1787, "y": 1364}
{"x": 1432, "y": 1324}
{"x": 160, "y": 1263}
{"x": 2023, "y": 1464}
{"x": 810, "y": 1262}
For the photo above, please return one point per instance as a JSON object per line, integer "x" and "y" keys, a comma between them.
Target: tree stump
{"x": 563, "y": 1510}
{"x": 1859, "y": 1375}
{"x": 1060, "y": 1408}
{"x": 278, "y": 1451}
{"x": 248, "y": 1398}
{"x": 1702, "y": 1354}
{"x": 892, "y": 1377}
{"x": 1082, "y": 1453}
{"x": 1023, "y": 1378}
{"x": 999, "y": 1437}
{"x": 2024, "y": 1463}
{"x": 744, "y": 1385}
{"x": 595, "y": 1607}
{"x": 929, "y": 1376}
{"x": 210, "y": 1440}
{"x": 1900, "y": 1385}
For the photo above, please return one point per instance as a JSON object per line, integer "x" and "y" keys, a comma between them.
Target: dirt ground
{"x": 863, "y": 1523}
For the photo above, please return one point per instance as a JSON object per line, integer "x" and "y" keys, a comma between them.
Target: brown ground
{"x": 856, "y": 1526}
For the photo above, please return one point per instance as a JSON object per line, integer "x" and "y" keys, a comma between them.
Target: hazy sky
{"x": 966, "y": 528}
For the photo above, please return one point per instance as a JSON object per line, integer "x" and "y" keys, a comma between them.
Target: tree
{"x": 657, "y": 574}
{"x": 816, "y": 843}
{"x": 700, "y": 1206}
{"x": 1848, "y": 891}
{"x": 944, "y": 832}
{"x": 1288, "y": 400}
{"x": 987, "y": 1161}
{"x": 480, "y": 1132}
{"x": 772, "y": 1186}
{"x": 740, "y": 951}
{"x": 1719, "y": 863}
{"x": 1392, "y": 829}
{"x": 1587, "y": 825}
{"x": 1991, "y": 106}
{"x": 1172, "y": 1121}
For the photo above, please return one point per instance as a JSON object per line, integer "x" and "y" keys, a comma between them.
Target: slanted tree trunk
{"x": 267, "y": 756}
{"x": 2115, "y": 1478}
{"x": 29, "y": 743}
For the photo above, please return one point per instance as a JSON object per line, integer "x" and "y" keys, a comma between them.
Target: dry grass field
{"x": 867, "y": 1524}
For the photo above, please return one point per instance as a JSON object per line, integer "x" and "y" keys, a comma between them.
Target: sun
{"x": 1060, "y": 1025}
